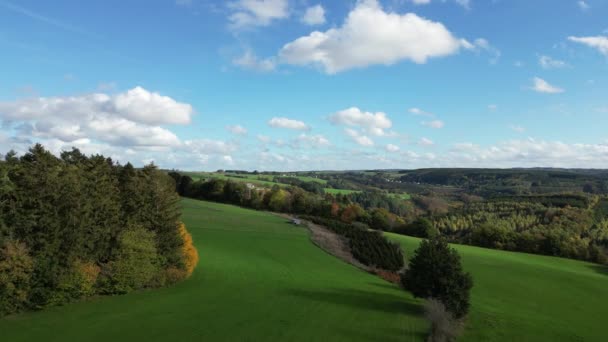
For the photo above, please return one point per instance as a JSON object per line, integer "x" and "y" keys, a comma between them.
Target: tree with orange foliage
{"x": 189, "y": 252}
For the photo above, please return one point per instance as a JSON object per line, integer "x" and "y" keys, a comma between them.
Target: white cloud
{"x": 542, "y": 86}
{"x": 358, "y": 137}
{"x": 137, "y": 104}
{"x": 237, "y": 129}
{"x": 208, "y": 146}
{"x": 279, "y": 122}
{"x": 482, "y": 45}
{"x": 517, "y": 128}
{"x": 530, "y": 153}
{"x": 314, "y": 15}
{"x": 492, "y": 107}
{"x": 140, "y": 105}
{"x": 264, "y": 139}
{"x": 426, "y": 142}
{"x": 597, "y": 42}
{"x": 420, "y": 112}
{"x": 583, "y": 5}
{"x": 434, "y": 124}
{"x": 371, "y": 123}
{"x": 313, "y": 141}
{"x": 547, "y": 62}
{"x": 392, "y": 148}
{"x": 249, "y": 13}
{"x": 369, "y": 36}
{"x": 131, "y": 118}
{"x": 250, "y": 61}
{"x": 464, "y": 3}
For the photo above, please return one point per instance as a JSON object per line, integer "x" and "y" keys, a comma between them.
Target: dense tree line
{"x": 529, "y": 226}
{"x": 367, "y": 246}
{"x": 566, "y": 225}
{"x": 78, "y": 225}
{"x": 296, "y": 200}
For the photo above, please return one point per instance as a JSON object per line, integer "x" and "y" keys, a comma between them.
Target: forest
{"x": 77, "y": 226}
{"x": 543, "y": 211}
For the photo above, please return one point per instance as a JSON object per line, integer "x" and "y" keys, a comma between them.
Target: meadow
{"x": 525, "y": 297}
{"x": 259, "y": 279}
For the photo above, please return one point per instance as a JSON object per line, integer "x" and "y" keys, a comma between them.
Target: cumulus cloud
{"x": 392, "y": 148}
{"x": 426, "y": 142}
{"x": 531, "y": 152}
{"x": 433, "y": 124}
{"x": 357, "y": 137}
{"x": 369, "y": 36}
{"x": 311, "y": 141}
{"x": 464, "y": 3}
{"x": 517, "y": 128}
{"x": 547, "y": 62}
{"x": 208, "y": 146}
{"x": 137, "y": 104}
{"x": 420, "y": 112}
{"x": 599, "y": 43}
{"x": 250, "y": 61}
{"x": 131, "y": 118}
{"x": 237, "y": 129}
{"x": 542, "y": 86}
{"x": 250, "y": 13}
{"x": 280, "y": 122}
{"x": 264, "y": 139}
{"x": 371, "y": 123}
{"x": 314, "y": 15}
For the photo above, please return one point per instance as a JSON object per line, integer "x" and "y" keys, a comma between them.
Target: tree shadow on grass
{"x": 358, "y": 299}
{"x": 369, "y": 301}
{"x": 385, "y": 285}
{"x": 600, "y": 269}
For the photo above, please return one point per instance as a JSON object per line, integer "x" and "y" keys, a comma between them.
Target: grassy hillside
{"x": 523, "y": 297}
{"x": 259, "y": 279}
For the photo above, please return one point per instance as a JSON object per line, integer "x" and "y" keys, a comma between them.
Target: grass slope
{"x": 524, "y": 297}
{"x": 259, "y": 279}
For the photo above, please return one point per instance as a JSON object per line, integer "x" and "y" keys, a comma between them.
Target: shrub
{"x": 76, "y": 282}
{"x": 444, "y": 328}
{"x": 189, "y": 252}
{"x": 436, "y": 272}
{"x": 16, "y": 267}
{"x": 135, "y": 264}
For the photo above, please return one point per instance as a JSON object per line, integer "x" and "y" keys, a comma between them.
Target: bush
{"x": 444, "y": 328}
{"x": 436, "y": 272}
{"x": 76, "y": 282}
{"x": 16, "y": 267}
{"x": 189, "y": 252}
{"x": 135, "y": 264}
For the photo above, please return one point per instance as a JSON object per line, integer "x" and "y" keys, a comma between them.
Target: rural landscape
{"x": 282, "y": 170}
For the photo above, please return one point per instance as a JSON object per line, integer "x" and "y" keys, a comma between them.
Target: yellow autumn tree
{"x": 189, "y": 252}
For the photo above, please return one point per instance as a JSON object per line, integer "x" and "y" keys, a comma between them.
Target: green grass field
{"x": 259, "y": 279}
{"x": 523, "y": 297}
{"x": 403, "y": 196}
{"x": 339, "y": 191}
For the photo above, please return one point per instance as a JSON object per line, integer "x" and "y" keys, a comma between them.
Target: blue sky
{"x": 302, "y": 84}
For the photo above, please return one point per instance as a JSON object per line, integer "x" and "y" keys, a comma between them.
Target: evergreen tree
{"x": 436, "y": 272}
